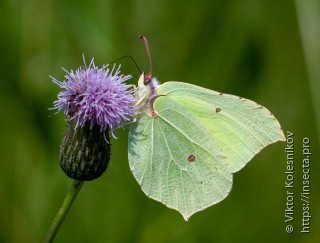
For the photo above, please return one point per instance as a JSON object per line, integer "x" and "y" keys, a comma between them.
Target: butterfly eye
{"x": 147, "y": 79}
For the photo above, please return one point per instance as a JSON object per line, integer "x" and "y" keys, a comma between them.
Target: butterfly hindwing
{"x": 176, "y": 161}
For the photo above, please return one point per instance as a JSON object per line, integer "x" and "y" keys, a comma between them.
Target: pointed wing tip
{"x": 282, "y": 137}
{"x": 186, "y": 217}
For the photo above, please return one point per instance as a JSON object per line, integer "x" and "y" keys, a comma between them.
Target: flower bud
{"x": 85, "y": 152}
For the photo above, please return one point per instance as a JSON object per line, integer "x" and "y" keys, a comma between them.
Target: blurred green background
{"x": 268, "y": 51}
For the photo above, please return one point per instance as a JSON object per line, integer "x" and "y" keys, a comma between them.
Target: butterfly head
{"x": 145, "y": 91}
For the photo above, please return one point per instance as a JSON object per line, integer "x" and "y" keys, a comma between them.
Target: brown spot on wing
{"x": 218, "y": 110}
{"x": 191, "y": 158}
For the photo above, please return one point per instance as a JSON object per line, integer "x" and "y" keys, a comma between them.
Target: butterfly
{"x": 187, "y": 141}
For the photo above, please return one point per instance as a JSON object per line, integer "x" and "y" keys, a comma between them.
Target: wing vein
{"x": 185, "y": 135}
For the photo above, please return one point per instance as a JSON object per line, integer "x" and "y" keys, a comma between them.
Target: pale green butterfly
{"x": 188, "y": 141}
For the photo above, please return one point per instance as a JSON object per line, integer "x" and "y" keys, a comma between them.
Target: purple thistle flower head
{"x": 96, "y": 96}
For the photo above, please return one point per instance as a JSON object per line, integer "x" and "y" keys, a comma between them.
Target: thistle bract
{"x": 85, "y": 152}
{"x": 95, "y": 101}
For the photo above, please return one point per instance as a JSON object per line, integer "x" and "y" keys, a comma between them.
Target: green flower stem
{"x": 67, "y": 202}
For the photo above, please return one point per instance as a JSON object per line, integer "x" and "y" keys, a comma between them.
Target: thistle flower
{"x": 95, "y": 101}
{"x": 96, "y": 96}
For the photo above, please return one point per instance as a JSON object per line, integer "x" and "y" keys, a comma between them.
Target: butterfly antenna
{"x": 130, "y": 58}
{"x": 147, "y": 76}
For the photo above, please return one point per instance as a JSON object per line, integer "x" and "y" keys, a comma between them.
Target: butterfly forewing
{"x": 239, "y": 126}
